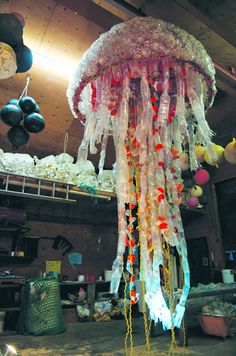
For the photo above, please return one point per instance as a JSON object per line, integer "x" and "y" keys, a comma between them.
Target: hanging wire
{"x": 145, "y": 317}
{"x": 25, "y": 90}
{"x": 66, "y": 139}
{"x": 125, "y": 310}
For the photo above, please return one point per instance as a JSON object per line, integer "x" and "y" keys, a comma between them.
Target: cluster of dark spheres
{"x": 24, "y": 117}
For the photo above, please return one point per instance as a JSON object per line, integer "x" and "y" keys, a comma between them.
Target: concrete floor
{"x": 107, "y": 338}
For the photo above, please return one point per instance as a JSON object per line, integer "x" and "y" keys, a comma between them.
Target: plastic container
{"x": 138, "y": 286}
{"x": 2, "y": 317}
{"x": 107, "y": 274}
{"x": 227, "y": 276}
{"x": 215, "y": 325}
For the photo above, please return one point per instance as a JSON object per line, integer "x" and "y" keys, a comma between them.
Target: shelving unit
{"x": 14, "y": 230}
{"x": 45, "y": 189}
{"x": 8, "y": 287}
{"x": 7, "y": 259}
{"x": 91, "y": 288}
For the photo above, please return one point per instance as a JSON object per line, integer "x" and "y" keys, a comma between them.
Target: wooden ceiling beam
{"x": 214, "y": 39}
{"x": 225, "y": 86}
{"x": 222, "y": 31}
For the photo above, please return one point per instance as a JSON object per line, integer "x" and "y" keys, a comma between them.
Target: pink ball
{"x": 192, "y": 202}
{"x": 201, "y": 177}
{"x": 20, "y": 18}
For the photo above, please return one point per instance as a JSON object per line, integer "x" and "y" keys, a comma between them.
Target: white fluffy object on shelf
{"x": 20, "y": 163}
{"x": 60, "y": 168}
{"x": 106, "y": 180}
{"x": 86, "y": 167}
{"x": 87, "y": 179}
{"x": 64, "y": 158}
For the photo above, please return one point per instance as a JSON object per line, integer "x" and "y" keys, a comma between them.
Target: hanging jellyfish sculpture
{"x": 148, "y": 83}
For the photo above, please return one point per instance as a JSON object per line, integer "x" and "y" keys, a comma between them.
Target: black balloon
{"x": 11, "y": 115}
{"x": 27, "y": 104}
{"x": 188, "y": 183}
{"x": 34, "y": 122}
{"x": 37, "y": 108}
{"x": 13, "y": 102}
{"x": 11, "y": 30}
{"x": 18, "y": 136}
{"x": 24, "y": 58}
{"x": 203, "y": 200}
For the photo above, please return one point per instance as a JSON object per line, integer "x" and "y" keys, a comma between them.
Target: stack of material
{"x": 59, "y": 168}
{"x": 219, "y": 308}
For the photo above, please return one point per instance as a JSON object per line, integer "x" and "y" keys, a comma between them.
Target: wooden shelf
{"x": 9, "y": 309}
{"x": 16, "y": 280}
{"x": 74, "y": 283}
{"x": 188, "y": 215}
{"x": 17, "y": 228}
{"x": 45, "y": 189}
{"x": 15, "y": 259}
{"x": 65, "y": 305}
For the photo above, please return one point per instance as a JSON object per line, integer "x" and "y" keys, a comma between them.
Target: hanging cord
{"x": 183, "y": 321}
{"x": 125, "y": 310}
{"x": 145, "y": 317}
{"x": 169, "y": 288}
{"x": 25, "y": 90}
{"x": 25, "y": 93}
{"x": 66, "y": 139}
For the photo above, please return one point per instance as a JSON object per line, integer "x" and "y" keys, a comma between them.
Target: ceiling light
{"x": 116, "y": 9}
{"x": 47, "y": 64}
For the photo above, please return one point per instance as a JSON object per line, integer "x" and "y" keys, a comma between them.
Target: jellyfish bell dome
{"x": 141, "y": 40}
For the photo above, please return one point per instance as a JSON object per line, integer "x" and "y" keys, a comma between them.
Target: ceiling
{"x": 62, "y": 31}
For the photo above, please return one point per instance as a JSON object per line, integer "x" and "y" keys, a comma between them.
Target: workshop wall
{"x": 90, "y": 227}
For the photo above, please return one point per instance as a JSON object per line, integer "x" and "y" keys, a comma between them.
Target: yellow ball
{"x": 219, "y": 150}
{"x": 184, "y": 162}
{"x": 196, "y": 191}
{"x": 199, "y": 152}
{"x": 230, "y": 152}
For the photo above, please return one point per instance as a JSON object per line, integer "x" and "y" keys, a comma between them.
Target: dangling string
{"x": 25, "y": 93}
{"x": 66, "y": 139}
{"x": 125, "y": 311}
{"x": 145, "y": 318}
{"x": 25, "y": 90}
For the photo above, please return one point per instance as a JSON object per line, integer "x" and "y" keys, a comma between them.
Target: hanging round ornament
{"x": 23, "y": 115}
{"x": 192, "y": 202}
{"x": 201, "y": 177}
{"x": 11, "y": 115}
{"x": 196, "y": 191}
{"x": 34, "y": 122}
{"x": 217, "y": 159}
{"x": 184, "y": 161}
{"x": 27, "y": 104}
{"x": 199, "y": 152}
{"x": 18, "y": 136}
{"x": 16, "y": 57}
{"x": 203, "y": 200}
{"x": 230, "y": 152}
{"x": 8, "y": 65}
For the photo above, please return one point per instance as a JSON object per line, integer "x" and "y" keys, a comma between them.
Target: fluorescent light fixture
{"x": 52, "y": 65}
